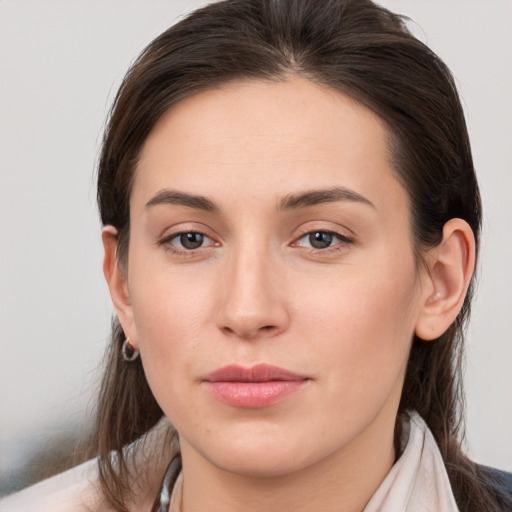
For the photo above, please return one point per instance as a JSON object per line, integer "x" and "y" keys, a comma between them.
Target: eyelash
{"x": 168, "y": 245}
{"x": 342, "y": 241}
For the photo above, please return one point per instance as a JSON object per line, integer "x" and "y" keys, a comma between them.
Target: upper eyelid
{"x": 179, "y": 229}
{"x": 340, "y": 225}
{"x": 320, "y": 230}
{"x": 344, "y": 232}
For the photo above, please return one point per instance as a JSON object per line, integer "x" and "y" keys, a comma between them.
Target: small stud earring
{"x": 129, "y": 352}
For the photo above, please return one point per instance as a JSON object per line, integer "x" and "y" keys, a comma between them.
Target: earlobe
{"x": 450, "y": 267}
{"x": 117, "y": 281}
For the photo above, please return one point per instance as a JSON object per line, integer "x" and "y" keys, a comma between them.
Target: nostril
{"x": 249, "y": 333}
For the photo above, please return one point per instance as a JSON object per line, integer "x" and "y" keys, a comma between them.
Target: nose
{"x": 254, "y": 298}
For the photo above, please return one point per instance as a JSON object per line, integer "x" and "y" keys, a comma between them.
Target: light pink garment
{"x": 418, "y": 481}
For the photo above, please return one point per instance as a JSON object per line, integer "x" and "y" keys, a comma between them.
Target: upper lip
{"x": 257, "y": 373}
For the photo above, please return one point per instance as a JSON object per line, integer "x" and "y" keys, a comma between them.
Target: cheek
{"x": 363, "y": 321}
{"x": 169, "y": 328}
{"x": 172, "y": 311}
{"x": 163, "y": 316}
{"x": 169, "y": 302}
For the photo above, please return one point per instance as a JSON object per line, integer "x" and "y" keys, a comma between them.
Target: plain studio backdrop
{"x": 60, "y": 65}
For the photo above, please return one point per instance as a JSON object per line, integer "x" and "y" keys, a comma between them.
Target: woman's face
{"x": 268, "y": 228}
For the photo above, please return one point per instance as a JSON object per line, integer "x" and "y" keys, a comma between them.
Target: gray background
{"x": 60, "y": 64}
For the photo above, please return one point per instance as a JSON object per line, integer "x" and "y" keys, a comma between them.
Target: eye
{"x": 322, "y": 239}
{"x": 189, "y": 240}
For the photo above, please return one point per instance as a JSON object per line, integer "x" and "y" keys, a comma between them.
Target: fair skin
{"x": 323, "y": 285}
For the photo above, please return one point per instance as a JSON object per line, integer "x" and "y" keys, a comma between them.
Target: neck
{"x": 342, "y": 482}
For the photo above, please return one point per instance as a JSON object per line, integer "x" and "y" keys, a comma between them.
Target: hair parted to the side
{"x": 359, "y": 49}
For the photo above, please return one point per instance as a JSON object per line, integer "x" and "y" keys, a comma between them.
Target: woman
{"x": 291, "y": 226}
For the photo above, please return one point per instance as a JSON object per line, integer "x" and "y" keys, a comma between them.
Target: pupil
{"x": 191, "y": 240}
{"x": 320, "y": 239}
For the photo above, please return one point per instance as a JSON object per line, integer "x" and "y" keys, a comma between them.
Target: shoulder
{"x": 74, "y": 490}
{"x": 78, "y": 489}
{"x": 499, "y": 482}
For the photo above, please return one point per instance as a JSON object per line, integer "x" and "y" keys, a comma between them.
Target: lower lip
{"x": 254, "y": 395}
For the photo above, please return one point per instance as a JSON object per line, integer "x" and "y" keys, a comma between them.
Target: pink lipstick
{"x": 251, "y": 388}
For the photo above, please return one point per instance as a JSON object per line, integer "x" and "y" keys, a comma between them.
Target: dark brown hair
{"x": 359, "y": 49}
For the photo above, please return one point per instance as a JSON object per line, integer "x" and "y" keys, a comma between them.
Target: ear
{"x": 117, "y": 283}
{"x": 450, "y": 267}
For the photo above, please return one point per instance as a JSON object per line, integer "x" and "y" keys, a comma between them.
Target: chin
{"x": 261, "y": 465}
{"x": 262, "y": 453}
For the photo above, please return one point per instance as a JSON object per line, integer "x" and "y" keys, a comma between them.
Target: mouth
{"x": 255, "y": 387}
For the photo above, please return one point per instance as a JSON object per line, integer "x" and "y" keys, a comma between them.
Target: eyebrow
{"x": 167, "y": 196}
{"x": 315, "y": 197}
{"x": 288, "y": 202}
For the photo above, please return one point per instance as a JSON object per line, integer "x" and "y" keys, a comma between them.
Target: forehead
{"x": 271, "y": 136}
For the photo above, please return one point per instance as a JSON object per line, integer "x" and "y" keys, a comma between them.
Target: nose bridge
{"x": 253, "y": 305}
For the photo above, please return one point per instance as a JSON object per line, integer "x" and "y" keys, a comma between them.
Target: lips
{"x": 258, "y": 373}
{"x": 255, "y": 387}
